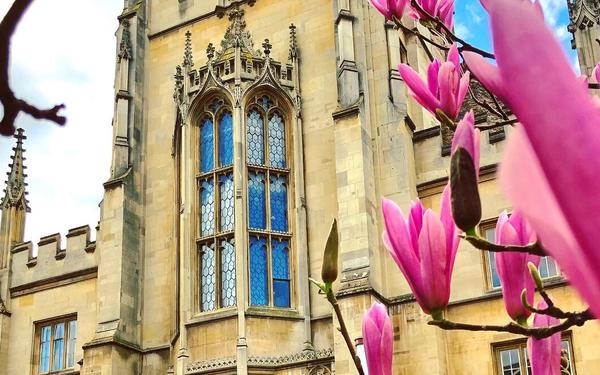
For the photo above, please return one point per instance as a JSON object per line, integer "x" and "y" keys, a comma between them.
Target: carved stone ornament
{"x": 125, "y": 45}
{"x": 15, "y": 184}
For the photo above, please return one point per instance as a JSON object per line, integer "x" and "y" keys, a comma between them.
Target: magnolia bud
{"x": 329, "y": 272}
{"x": 466, "y": 205}
{"x": 535, "y": 275}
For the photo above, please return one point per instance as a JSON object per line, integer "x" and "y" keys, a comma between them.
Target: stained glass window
{"x": 258, "y": 272}
{"x": 227, "y": 273}
{"x": 45, "y": 349}
{"x": 216, "y": 208}
{"x": 279, "y": 198}
{"x": 281, "y": 273}
{"x": 207, "y": 207}
{"x": 227, "y": 216}
{"x": 206, "y": 146}
{"x": 276, "y": 142}
{"x": 226, "y": 139}
{"x": 208, "y": 278}
{"x": 256, "y": 200}
{"x": 255, "y": 138}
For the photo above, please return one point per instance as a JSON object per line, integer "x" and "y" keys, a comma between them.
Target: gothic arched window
{"x": 268, "y": 195}
{"x": 216, "y": 207}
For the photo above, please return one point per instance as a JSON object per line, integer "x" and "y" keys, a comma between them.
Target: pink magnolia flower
{"x": 550, "y": 168}
{"x": 467, "y": 137}
{"x": 390, "y": 8}
{"x": 596, "y": 73}
{"x": 445, "y": 88}
{"x": 512, "y": 267}
{"x": 378, "y": 338}
{"x": 442, "y": 9}
{"x": 424, "y": 248}
{"x": 544, "y": 354}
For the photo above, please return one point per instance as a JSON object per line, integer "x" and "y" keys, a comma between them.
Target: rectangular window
{"x": 547, "y": 267}
{"x": 513, "y": 359}
{"x": 55, "y": 343}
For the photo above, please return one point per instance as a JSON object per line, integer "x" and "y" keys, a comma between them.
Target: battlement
{"x": 53, "y": 265}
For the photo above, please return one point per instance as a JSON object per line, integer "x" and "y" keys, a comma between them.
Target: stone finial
{"x": 15, "y": 184}
{"x": 188, "y": 59}
{"x": 293, "y": 43}
{"x": 210, "y": 51}
{"x": 267, "y": 47}
{"x": 178, "y": 94}
{"x": 125, "y": 45}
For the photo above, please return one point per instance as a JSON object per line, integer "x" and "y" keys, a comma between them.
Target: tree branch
{"x": 577, "y": 319}
{"x": 12, "y": 105}
{"x": 481, "y": 244}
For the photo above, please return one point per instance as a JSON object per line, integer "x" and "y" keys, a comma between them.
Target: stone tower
{"x": 585, "y": 26}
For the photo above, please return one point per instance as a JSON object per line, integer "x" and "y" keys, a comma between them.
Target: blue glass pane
{"x": 208, "y": 278}
{"x": 280, "y": 253}
{"x": 72, "y": 340}
{"x": 206, "y": 146}
{"x": 281, "y": 293}
{"x": 216, "y": 105}
{"x": 258, "y": 272}
{"x": 227, "y": 217}
{"x": 207, "y": 207}
{"x": 45, "y": 349}
{"x": 227, "y": 274}
{"x": 265, "y": 102}
{"x": 279, "y": 204}
{"x": 256, "y": 200}
{"x": 226, "y": 139}
{"x": 59, "y": 340}
{"x": 276, "y": 142}
{"x": 494, "y": 277}
{"x": 255, "y": 139}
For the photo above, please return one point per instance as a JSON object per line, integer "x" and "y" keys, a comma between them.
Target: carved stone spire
{"x": 585, "y": 26}
{"x": 15, "y": 185}
{"x": 125, "y": 45}
{"x": 293, "y": 55}
{"x": 188, "y": 59}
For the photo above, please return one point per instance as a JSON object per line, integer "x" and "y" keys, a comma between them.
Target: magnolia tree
{"x": 555, "y": 207}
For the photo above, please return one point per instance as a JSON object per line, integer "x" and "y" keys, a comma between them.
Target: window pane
{"x": 493, "y": 271}
{"x": 255, "y": 138}
{"x": 72, "y": 340}
{"x": 45, "y": 333}
{"x": 566, "y": 346}
{"x": 281, "y": 273}
{"x": 208, "y": 278}
{"x": 510, "y": 362}
{"x": 258, "y": 271}
{"x": 276, "y": 142}
{"x": 207, "y": 207}
{"x": 226, "y": 139}
{"x": 227, "y": 273}
{"x": 206, "y": 145}
{"x": 256, "y": 201}
{"x": 279, "y": 204}
{"x": 227, "y": 217}
{"x": 547, "y": 267}
{"x": 59, "y": 341}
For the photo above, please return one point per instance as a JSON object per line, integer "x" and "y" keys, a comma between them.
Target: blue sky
{"x": 64, "y": 51}
{"x": 472, "y": 24}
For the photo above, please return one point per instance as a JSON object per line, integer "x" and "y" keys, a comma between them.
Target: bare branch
{"x": 12, "y": 105}
{"x": 481, "y": 244}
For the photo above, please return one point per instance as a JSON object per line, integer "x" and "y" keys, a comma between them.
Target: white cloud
{"x": 63, "y": 52}
{"x": 462, "y": 31}
{"x": 552, "y": 10}
{"x": 475, "y": 12}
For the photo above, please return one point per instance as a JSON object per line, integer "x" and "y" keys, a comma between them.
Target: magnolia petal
{"x": 463, "y": 88}
{"x": 383, "y": 7}
{"x": 524, "y": 182}
{"x": 451, "y": 231}
{"x": 448, "y": 82}
{"x": 432, "y": 247}
{"x": 417, "y": 88}
{"x": 596, "y": 73}
{"x": 544, "y": 354}
{"x": 432, "y": 77}
{"x": 371, "y": 341}
{"x": 486, "y": 73}
{"x": 454, "y": 57}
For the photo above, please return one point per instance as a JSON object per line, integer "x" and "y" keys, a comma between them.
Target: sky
{"x": 64, "y": 52}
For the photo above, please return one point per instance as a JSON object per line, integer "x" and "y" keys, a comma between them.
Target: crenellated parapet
{"x": 52, "y": 265}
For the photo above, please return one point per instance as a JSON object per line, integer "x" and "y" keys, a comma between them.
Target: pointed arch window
{"x": 216, "y": 216}
{"x": 268, "y": 195}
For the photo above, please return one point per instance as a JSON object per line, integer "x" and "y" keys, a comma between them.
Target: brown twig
{"x": 344, "y": 330}
{"x": 577, "y": 319}
{"x": 481, "y": 244}
{"x": 497, "y": 125}
{"x": 12, "y": 105}
{"x": 439, "y": 24}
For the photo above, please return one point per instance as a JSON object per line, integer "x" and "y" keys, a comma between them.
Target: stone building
{"x": 241, "y": 129}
